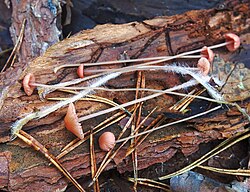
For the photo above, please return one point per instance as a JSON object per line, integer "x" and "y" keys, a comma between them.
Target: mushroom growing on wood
{"x": 80, "y": 71}
{"x": 71, "y": 122}
{"x": 207, "y": 53}
{"x": 107, "y": 141}
{"x": 203, "y": 65}
{"x": 233, "y": 41}
{"x": 28, "y": 84}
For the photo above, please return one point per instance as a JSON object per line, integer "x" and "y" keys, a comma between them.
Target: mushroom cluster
{"x": 107, "y": 139}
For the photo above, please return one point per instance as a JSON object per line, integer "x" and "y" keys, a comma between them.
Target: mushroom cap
{"x": 71, "y": 122}
{"x": 234, "y": 39}
{"x": 27, "y": 83}
{"x": 204, "y": 65}
{"x": 107, "y": 141}
{"x": 207, "y": 53}
{"x": 80, "y": 71}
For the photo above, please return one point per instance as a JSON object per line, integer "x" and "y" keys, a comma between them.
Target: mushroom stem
{"x": 202, "y": 66}
{"x": 65, "y": 84}
{"x": 231, "y": 39}
{"x": 123, "y": 61}
{"x": 151, "y": 62}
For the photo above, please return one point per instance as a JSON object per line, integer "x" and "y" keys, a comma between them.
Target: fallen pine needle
{"x": 238, "y": 172}
{"x": 16, "y": 47}
{"x": 151, "y": 183}
{"x": 169, "y": 124}
{"x": 93, "y": 162}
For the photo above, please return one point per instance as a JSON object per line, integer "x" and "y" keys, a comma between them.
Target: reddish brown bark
{"x": 41, "y": 30}
{"x": 28, "y": 170}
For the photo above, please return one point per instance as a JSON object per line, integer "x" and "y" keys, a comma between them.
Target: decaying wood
{"x": 24, "y": 169}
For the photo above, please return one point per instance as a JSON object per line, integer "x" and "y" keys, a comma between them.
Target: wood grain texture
{"x": 29, "y": 170}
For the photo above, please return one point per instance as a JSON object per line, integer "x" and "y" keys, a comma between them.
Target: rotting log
{"x": 23, "y": 169}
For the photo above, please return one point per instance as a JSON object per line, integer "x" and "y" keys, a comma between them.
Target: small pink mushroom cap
{"x": 234, "y": 39}
{"x": 207, "y": 53}
{"x": 80, "y": 71}
{"x": 204, "y": 65}
{"x": 107, "y": 141}
{"x": 71, "y": 122}
{"x": 27, "y": 84}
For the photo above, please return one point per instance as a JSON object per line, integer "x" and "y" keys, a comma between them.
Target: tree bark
{"x": 25, "y": 169}
{"x": 41, "y": 28}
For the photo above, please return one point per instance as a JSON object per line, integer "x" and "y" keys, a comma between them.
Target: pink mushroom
{"x": 28, "y": 84}
{"x": 207, "y": 53}
{"x": 107, "y": 141}
{"x": 204, "y": 65}
{"x": 80, "y": 71}
{"x": 71, "y": 122}
{"x": 233, "y": 41}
